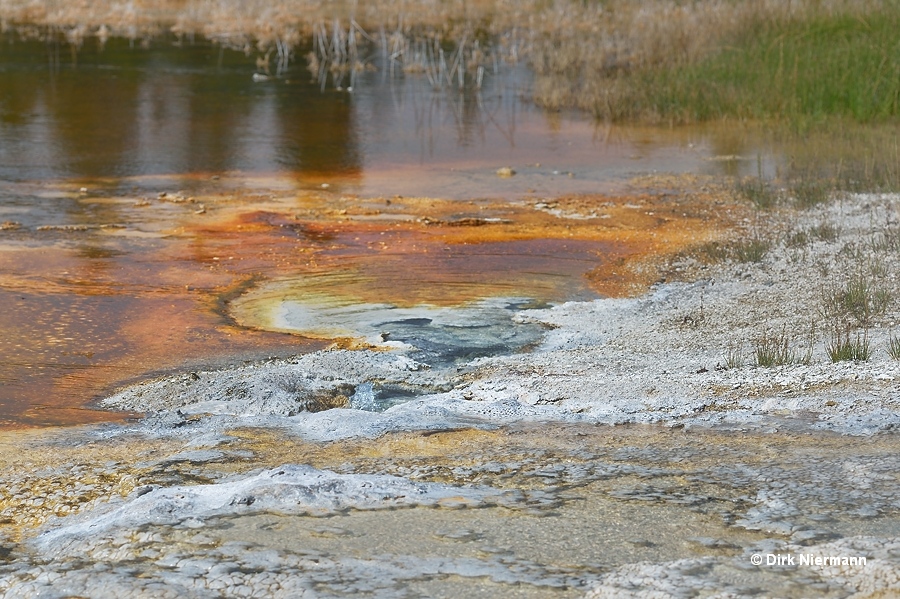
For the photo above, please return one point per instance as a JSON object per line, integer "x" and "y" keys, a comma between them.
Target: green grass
{"x": 802, "y": 69}
{"x": 773, "y": 349}
{"x": 888, "y": 240}
{"x": 759, "y": 192}
{"x": 894, "y": 347}
{"x": 860, "y": 297}
{"x": 825, "y": 83}
{"x": 734, "y": 357}
{"x": 808, "y": 193}
{"x": 797, "y": 239}
{"x": 800, "y": 238}
{"x": 844, "y": 349}
{"x": 825, "y": 231}
{"x": 751, "y": 250}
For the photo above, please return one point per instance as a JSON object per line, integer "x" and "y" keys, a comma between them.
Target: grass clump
{"x": 808, "y": 193}
{"x": 773, "y": 349}
{"x": 713, "y": 252}
{"x": 734, "y": 357}
{"x": 825, "y": 231}
{"x": 843, "y": 348}
{"x": 894, "y": 347}
{"x": 751, "y": 250}
{"x": 800, "y": 238}
{"x": 887, "y": 241}
{"x": 704, "y": 60}
{"x": 758, "y": 192}
{"x": 860, "y": 298}
{"x": 797, "y": 239}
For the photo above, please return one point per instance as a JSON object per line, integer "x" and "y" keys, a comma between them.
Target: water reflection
{"x": 121, "y": 112}
{"x": 113, "y": 111}
{"x": 318, "y": 132}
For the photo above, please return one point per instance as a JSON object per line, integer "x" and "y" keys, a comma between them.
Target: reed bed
{"x": 658, "y": 61}
{"x": 456, "y": 63}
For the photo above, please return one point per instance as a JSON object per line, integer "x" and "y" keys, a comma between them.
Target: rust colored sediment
{"x": 406, "y": 251}
{"x": 94, "y": 309}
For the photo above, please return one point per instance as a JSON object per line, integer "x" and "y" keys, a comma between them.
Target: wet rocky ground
{"x": 529, "y": 510}
{"x": 634, "y": 448}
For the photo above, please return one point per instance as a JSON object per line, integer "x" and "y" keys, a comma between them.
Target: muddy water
{"x": 144, "y": 189}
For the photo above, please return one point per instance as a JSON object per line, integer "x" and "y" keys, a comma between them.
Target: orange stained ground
{"x": 406, "y": 251}
{"x": 95, "y": 308}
